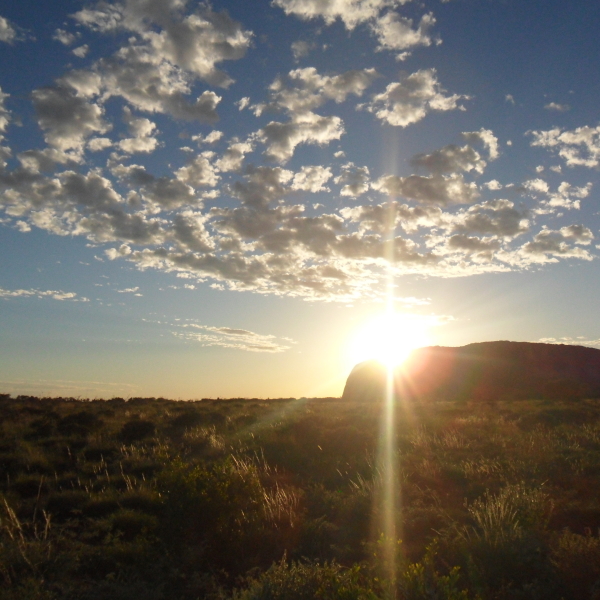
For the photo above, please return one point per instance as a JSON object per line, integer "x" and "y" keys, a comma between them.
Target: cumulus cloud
{"x": 437, "y": 189}
{"x": 194, "y": 43}
{"x": 301, "y": 49}
{"x": 312, "y": 179}
{"x": 8, "y": 32}
{"x": 408, "y": 101}
{"x": 450, "y": 159}
{"x": 497, "y": 217}
{"x": 354, "y": 180}
{"x": 395, "y": 32}
{"x": 578, "y": 147}
{"x": 67, "y": 117}
{"x": 561, "y": 243}
{"x": 81, "y": 51}
{"x": 299, "y": 94}
{"x": 65, "y": 37}
{"x": 281, "y": 139}
{"x": 141, "y": 131}
{"x": 350, "y": 12}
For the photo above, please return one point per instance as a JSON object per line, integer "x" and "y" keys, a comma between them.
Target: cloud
{"x": 34, "y": 293}
{"x": 408, "y": 101}
{"x": 578, "y": 147}
{"x": 395, "y": 32}
{"x": 141, "y": 131}
{"x": 355, "y": 180}
{"x": 497, "y": 217}
{"x": 281, "y": 139}
{"x": 312, "y": 179}
{"x": 450, "y": 159}
{"x": 301, "y": 49}
{"x": 350, "y": 12}
{"x": 485, "y": 137}
{"x": 65, "y": 37}
{"x": 561, "y": 242}
{"x": 9, "y": 32}
{"x": 572, "y": 341}
{"x": 437, "y": 189}
{"x": 67, "y": 118}
{"x": 557, "y": 107}
{"x": 194, "y": 43}
{"x": 228, "y": 337}
{"x": 304, "y": 90}
{"x": 81, "y": 51}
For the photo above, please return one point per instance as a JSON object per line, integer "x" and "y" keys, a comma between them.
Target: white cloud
{"x": 494, "y": 185}
{"x": 312, "y": 179}
{"x": 437, "y": 189}
{"x": 65, "y": 37}
{"x": 142, "y": 132}
{"x": 200, "y": 172}
{"x": 233, "y": 158}
{"x": 561, "y": 243}
{"x": 395, "y": 32}
{"x": 229, "y": 337}
{"x": 34, "y": 293}
{"x": 350, "y": 12}
{"x": 281, "y": 139}
{"x": 8, "y": 33}
{"x": 408, "y": 101}
{"x": 194, "y": 43}
{"x": 485, "y": 137}
{"x": 572, "y": 341}
{"x": 81, "y": 51}
{"x": 578, "y": 147}
{"x": 450, "y": 159}
{"x": 355, "y": 180}
{"x": 557, "y": 107}
{"x": 301, "y": 49}
{"x": 67, "y": 118}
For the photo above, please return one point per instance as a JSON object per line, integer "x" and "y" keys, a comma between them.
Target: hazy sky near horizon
{"x": 207, "y": 199}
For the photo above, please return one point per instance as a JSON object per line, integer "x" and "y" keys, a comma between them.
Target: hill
{"x": 485, "y": 371}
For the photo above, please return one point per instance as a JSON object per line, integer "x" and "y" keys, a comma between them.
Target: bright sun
{"x": 390, "y": 338}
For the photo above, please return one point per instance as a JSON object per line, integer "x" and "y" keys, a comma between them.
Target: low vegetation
{"x": 286, "y": 499}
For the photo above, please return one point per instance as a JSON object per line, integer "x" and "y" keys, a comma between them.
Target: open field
{"x": 254, "y": 499}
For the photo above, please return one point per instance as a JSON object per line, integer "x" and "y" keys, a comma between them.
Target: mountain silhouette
{"x": 484, "y": 371}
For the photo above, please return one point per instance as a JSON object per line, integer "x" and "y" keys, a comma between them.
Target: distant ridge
{"x": 485, "y": 371}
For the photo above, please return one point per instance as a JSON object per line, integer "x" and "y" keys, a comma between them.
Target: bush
{"x": 136, "y": 430}
{"x": 307, "y": 581}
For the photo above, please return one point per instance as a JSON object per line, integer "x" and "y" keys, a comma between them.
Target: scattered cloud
{"x": 577, "y": 147}
{"x": 554, "y": 106}
{"x": 34, "y": 293}
{"x": 228, "y": 337}
{"x": 408, "y": 101}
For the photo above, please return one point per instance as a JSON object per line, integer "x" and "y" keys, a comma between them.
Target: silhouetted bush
{"x": 136, "y": 430}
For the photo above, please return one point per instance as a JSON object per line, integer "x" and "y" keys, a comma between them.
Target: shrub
{"x": 307, "y": 581}
{"x": 136, "y": 430}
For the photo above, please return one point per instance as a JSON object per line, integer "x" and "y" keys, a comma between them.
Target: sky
{"x": 203, "y": 200}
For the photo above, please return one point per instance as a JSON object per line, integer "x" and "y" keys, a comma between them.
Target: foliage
{"x": 149, "y": 498}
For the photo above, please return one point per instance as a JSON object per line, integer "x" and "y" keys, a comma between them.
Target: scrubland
{"x": 284, "y": 499}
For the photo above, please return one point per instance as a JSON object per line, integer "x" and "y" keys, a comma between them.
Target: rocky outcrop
{"x": 484, "y": 371}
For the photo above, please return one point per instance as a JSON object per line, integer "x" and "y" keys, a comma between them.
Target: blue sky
{"x": 211, "y": 199}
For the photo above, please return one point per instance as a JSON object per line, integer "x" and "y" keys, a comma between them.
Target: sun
{"x": 389, "y": 338}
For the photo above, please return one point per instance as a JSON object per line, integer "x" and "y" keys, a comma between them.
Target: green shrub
{"x": 308, "y": 581}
